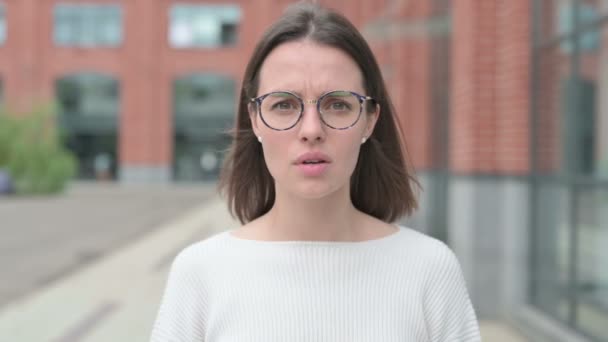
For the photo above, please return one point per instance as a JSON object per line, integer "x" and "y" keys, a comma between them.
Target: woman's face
{"x": 311, "y": 160}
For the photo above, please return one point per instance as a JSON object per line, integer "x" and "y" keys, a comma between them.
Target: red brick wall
{"x": 513, "y": 87}
{"x": 489, "y": 92}
{"x": 145, "y": 66}
{"x": 488, "y": 81}
{"x": 404, "y": 55}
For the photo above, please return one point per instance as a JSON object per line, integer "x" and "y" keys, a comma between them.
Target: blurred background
{"x": 111, "y": 141}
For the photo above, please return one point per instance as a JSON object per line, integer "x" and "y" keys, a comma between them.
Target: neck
{"x": 332, "y": 218}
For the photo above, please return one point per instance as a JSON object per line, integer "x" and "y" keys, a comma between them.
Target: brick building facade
{"x": 410, "y": 41}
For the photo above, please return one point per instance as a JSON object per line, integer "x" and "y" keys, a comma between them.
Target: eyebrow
{"x": 288, "y": 90}
{"x": 298, "y": 93}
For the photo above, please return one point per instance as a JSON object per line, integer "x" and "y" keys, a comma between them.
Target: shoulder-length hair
{"x": 381, "y": 184}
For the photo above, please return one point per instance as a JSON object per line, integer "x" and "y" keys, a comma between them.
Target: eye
{"x": 284, "y": 105}
{"x": 337, "y": 105}
{"x": 340, "y": 106}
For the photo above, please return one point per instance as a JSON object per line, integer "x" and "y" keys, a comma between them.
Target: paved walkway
{"x": 116, "y": 297}
{"x": 44, "y": 238}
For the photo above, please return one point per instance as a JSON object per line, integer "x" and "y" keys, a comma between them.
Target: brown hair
{"x": 381, "y": 184}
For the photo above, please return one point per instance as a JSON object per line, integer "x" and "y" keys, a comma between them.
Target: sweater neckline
{"x": 229, "y": 236}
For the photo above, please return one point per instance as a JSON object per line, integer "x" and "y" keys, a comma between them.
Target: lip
{"x": 312, "y": 170}
{"x": 312, "y": 156}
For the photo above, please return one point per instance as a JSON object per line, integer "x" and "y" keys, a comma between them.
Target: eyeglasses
{"x": 282, "y": 110}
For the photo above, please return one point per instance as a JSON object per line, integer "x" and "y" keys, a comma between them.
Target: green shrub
{"x": 32, "y": 152}
{"x": 8, "y": 134}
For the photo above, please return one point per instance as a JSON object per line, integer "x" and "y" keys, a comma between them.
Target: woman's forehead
{"x": 307, "y": 66}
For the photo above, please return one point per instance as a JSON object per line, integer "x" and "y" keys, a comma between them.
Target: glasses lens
{"x": 340, "y": 109}
{"x": 280, "y": 110}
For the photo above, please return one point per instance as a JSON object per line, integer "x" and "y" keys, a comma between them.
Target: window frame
{"x": 88, "y": 15}
{"x": 232, "y": 18}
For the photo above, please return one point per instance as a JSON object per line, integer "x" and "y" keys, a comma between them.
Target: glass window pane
{"x": 587, "y": 39}
{"x": 2, "y": 25}
{"x": 552, "y": 17}
{"x": 594, "y": 104}
{"x": 89, "y": 109}
{"x": 204, "y": 109}
{"x": 553, "y": 101}
{"x": 592, "y": 263}
{"x": 564, "y": 21}
{"x": 109, "y": 22}
{"x": 204, "y": 95}
{"x": 558, "y": 18}
{"x": 572, "y": 112}
{"x": 88, "y": 95}
{"x": 61, "y": 33}
{"x": 550, "y": 276}
{"x": 203, "y": 25}
{"x": 599, "y": 6}
{"x": 87, "y": 36}
{"x": 88, "y": 25}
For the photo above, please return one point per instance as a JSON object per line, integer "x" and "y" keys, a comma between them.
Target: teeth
{"x": 312, "y": 161}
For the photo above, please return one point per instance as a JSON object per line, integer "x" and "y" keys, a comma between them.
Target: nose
{"x": 311, "y": 128}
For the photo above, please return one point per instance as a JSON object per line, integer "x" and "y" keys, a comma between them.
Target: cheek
{"x": 276, "y": 156}
{"x": 353, "y": 156}
{"x": 348, "y": 151}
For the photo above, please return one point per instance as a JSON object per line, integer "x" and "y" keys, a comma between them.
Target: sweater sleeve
{"x": 181, "y": 317}
{"x": 449, "y": 314}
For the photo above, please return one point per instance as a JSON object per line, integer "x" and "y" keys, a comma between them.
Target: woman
{"x": 316, "y": 173}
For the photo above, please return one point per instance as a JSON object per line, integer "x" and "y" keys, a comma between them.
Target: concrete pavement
{"x": 45, "y": 238}
{"x": 116, "y": 297}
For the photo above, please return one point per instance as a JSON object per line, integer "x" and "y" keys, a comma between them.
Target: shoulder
{"x": 434, "y": 254}
{"x": 424, "y": 244}
{"x": 440, "y": 269}
{"x": 448, "y": 312}
{"x": 199, "y": 252}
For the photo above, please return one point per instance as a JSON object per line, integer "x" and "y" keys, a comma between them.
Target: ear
{"x": 253, "y": 116}
{"x": 372, "y": 118}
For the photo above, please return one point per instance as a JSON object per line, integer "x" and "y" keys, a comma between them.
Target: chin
{"x": 313, "y": 188}
{"x": 316, "y": 190}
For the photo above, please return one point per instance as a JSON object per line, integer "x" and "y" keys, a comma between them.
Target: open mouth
{"x": 313, "y": 159}
{"x": 307, "y": 162}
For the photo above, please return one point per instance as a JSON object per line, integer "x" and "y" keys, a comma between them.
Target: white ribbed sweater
{"x": 402, "y": 287}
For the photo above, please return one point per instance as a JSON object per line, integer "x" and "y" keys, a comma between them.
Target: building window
{"x": 586, "y": 14}
{"x": 203, "y": 110}
{"x": 88, "y": 25}
{"x": 203, "y": 26}
{"x": 570, "y": 152}
{"x": 88, "y": 94}
{"x": 88, "y": 117}
{"x": 2, "y": 25}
